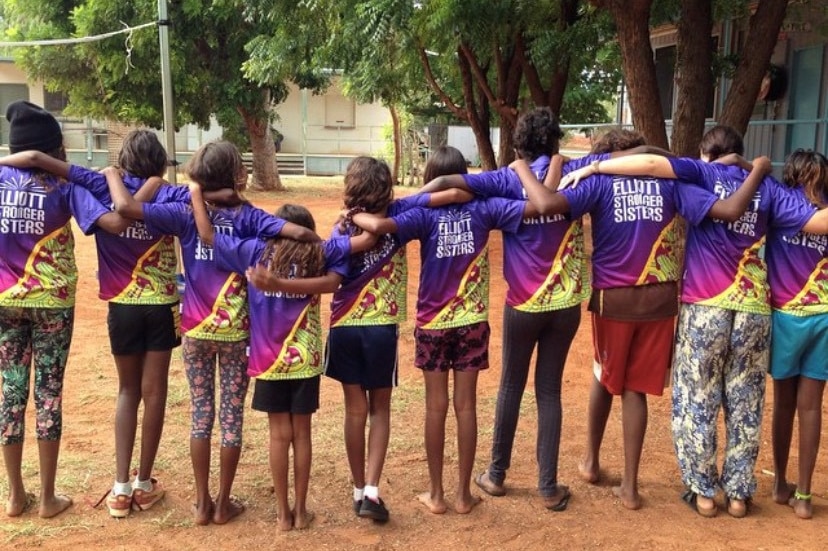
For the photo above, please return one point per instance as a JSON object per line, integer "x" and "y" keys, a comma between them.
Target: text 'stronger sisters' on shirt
{"x": 798, "y": 270}
{"x": 37, "y": 247}
{"x": 454, "y": 276}
{"x": 724, "y": 264}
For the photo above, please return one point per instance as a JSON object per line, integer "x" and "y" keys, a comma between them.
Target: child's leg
{"x": 744, "y": 398}
{"x": 784, "y": 411}
{"x": 234, "y": 382}
{"x": 702, "y": 347}
{"x": 15, "y": 368}
{"x": 154, "y": 393}
{"x": 281, "y": 435}
{"x": 379, "y": 430}
{"x": 465, "y": 410}
{"x": 436, "y": 383}
{"x": 199, "y": 363}
{"x": 356, "y": 416}
{"x": 302, "y": 454}
{"x": 634, "y": 423}
{"x": 51, "y": 338}
{"x": 598, "y": 410}
{"x": 126, "y": 412}
{"x": 809, "y": 409}
{"x": 520, "y": 333}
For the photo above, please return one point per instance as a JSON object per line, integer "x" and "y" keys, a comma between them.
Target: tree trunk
{"x": 477, "y": 115}
{"x": 755, "y": 56}
{"x": 506, "y": 147}
{"x": 694, "y": 78}
{"x": 632, "y": 19}
{"x": 265, "y": 172}
{"x": 395, "y": 124}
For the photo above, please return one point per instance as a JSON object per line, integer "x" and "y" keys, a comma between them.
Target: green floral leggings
{"x": 42, "y": 335}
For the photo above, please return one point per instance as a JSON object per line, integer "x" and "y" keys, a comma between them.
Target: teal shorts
{"x": 798, "y": 346}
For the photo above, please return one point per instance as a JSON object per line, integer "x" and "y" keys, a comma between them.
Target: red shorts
{"x": 634, "y": 355}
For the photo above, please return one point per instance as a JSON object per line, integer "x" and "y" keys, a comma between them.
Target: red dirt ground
{"x": 594, "y": 519}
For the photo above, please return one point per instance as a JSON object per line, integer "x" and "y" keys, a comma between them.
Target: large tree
{"x": 694, "y": 63}
{"x": 208, "y": 41}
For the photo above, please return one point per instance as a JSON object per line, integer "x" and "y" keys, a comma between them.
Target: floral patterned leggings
{"x": 42, "y": 335}
{"x": 200, "y": 358}
{"x": 720, "y": 362}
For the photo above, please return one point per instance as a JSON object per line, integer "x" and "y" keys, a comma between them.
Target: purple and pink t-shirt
{"x": 285, "y": 329}
{"x": 137, "y": 266}
{"x": 37, "y": 247}
{"x": 374, "y": 290}
{"x": 454, "y": 275}
{"x": 797, "y": 270}
{"x": 215, "y": 304}
{"x": 634, "y": 234}
{"x": 544, "y": 262}
{"x": 724, "y": 266}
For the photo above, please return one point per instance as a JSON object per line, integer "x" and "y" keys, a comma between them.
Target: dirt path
{"x": 594, "y": 518}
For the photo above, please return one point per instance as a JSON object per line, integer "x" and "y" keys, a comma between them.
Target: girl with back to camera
{"x": 285, "y": 341}
{"x": 797, "y": 270}
{"x": 452, "y": 332}
{"x": 214, "y": 315}
{"x": 366, "y": 309}
{"x": 723, "y": 332}
{"x": 38, "y": 279}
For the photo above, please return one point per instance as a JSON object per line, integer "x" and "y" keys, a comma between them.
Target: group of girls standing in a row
{"x": 271, "y": 330}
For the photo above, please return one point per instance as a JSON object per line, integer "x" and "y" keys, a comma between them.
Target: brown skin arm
{"x": 449, "y": 196}
{"x": 37, "y": 159}
{"x": 441, "y": 183}
{"x": 202, "y": 218}
{"x": 632, "y": 165}
{"x": 542, "y": 199}
{"x": 735, "y": 159}
{"x": 733, "y": 207}
{"x": 375, "y": 224}
{"x": 818, "y": 223}
{"x": 264, "y": 280}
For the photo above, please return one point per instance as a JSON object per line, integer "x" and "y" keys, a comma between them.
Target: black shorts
{"x": 365, "y": 356}
{"x": 298, "y": 396}
{"x": 139, "y": 328}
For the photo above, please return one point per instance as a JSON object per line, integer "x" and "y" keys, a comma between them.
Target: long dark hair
{"x": 808, "y": 169}
{"x": 720, "y": 141}
{"x": 283, "y": 255}
{"x": 142, "y": 154}
{"x": 444, "y": 161}
{"x": 216, "y": 165}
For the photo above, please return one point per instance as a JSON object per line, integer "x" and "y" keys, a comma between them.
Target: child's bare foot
{"x": 782, "y": 491}
{"x": 228, "y": 510}
{"x": 465, "y": 505}
{"x": 302, "y": 520}
{"x": 435, "y": 505}
{"x": 55, "y": 506}
{"x": 801, "y": 504}
{"x": 285, "y": 521}
{"x": 203, "y": 512}
{"x": 17, "y": 506}
{"x": 629, "y": 499}
{"x": 588, "y": 470}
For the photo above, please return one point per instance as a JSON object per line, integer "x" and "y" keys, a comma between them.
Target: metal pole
{"x": 166, "y": 87}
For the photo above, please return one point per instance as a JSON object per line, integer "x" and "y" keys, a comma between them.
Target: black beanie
{"x": 32, "y": 127}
